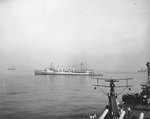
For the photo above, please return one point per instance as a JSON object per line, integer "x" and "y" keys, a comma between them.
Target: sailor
{"x": 93, "y": 116}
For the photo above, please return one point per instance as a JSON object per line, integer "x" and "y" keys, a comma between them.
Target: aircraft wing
{"x": 114, "y": 79}
{"x": 123, "y": 86}
{"x": 104, "y": 86}
{"x": 101, "y": 85}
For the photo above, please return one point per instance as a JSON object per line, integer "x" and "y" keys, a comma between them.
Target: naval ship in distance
{"x": 71, "y": 71}
{"x": 142, "y": 70}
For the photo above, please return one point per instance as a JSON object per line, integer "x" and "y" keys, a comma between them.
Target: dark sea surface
{"x": 26, "y": 96}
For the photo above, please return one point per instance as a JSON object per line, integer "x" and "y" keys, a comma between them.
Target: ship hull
{"x": 41, "y": 72}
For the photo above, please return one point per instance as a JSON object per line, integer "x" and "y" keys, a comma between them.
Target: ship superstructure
{"x": 140, "y": 101}
{"x": 61, "y": 71}
{"x": 137, "y": 103}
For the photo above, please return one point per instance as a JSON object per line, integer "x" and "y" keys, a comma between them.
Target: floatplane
{"x": 114, "y": 109}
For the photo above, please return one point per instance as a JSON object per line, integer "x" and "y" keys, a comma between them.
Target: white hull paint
{"x": 43, "y": 72}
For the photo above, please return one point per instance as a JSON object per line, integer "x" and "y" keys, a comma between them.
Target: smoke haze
{"x": 105, "y": 35}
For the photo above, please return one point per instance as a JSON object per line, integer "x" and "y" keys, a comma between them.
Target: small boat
{"x": 61, "y": 71}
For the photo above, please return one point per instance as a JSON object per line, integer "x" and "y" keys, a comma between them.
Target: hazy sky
{"x": 109, "y": 35}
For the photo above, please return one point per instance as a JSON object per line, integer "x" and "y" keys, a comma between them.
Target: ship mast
{"x": 81, "y": 66}
{"x": 148, "y": 67}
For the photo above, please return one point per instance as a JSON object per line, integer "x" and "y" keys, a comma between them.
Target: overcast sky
{"x": 108, "y": 35}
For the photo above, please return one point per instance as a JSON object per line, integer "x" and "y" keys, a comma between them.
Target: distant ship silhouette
{"x": 11, "y": 68}
{"x": 142, "y": 70}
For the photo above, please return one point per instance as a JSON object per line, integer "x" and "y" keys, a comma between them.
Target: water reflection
{"x": 68, "y": 95}
{"x": 47, "y": 96}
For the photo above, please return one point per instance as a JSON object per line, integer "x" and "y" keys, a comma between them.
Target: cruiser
{"x": 61, "y": 71}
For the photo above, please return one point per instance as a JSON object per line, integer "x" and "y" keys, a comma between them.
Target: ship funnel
{"x": 73, "y": 69}
{"x": 58, "y": 68}
{"x": 69, "y": 68}
{"x": 62, "y": 68}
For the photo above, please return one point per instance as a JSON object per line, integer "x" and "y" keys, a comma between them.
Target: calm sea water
{"x": 25, "y": 96}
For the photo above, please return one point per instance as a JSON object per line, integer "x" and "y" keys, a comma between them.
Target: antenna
{"x": 51, "y": 64}
{"x": 81, "y": 66}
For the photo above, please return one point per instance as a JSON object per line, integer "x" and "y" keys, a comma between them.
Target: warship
{"x": 142, "y": 70}
{"x": 137, "y": 103}
{"x": 140, "y": 101}
{"x": 61, "y": 71}
{"x": 11, "y": 68}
